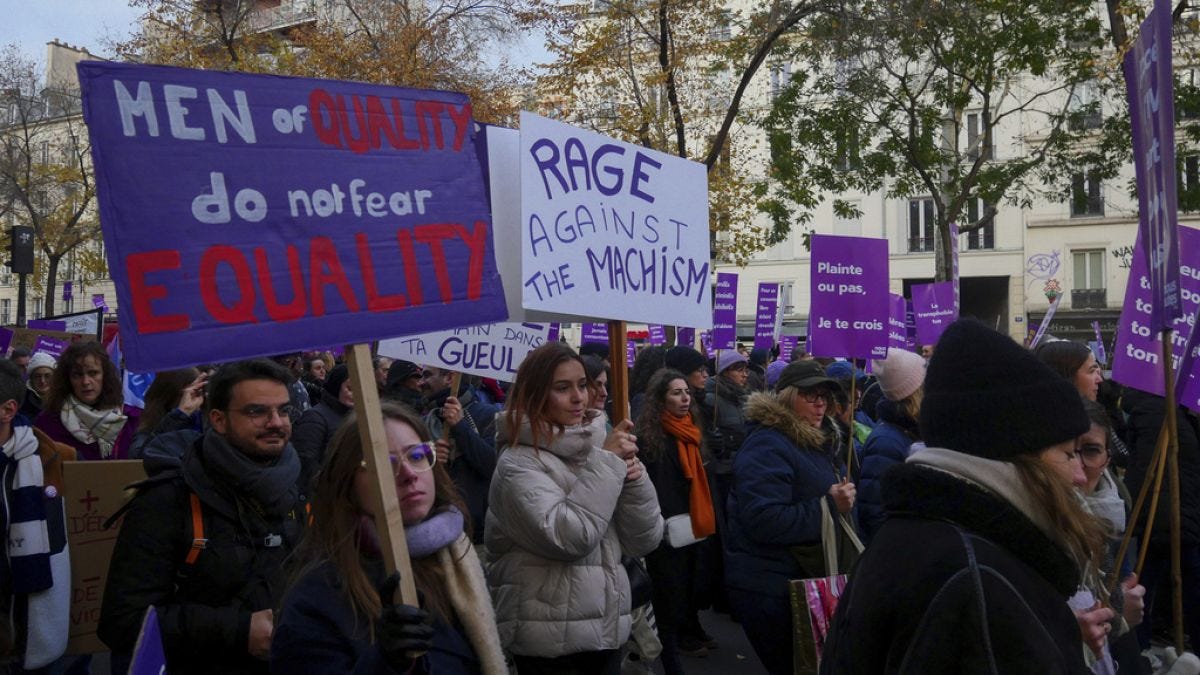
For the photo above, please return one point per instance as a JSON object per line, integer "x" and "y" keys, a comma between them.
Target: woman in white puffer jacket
{"x": 565, "y": 503}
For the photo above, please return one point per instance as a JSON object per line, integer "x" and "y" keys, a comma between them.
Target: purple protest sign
{"x": 630, "y": 352}
{"x": 1137, "y": 352}
{"x": 897, "y": 331}
{"x": 787, "y": 345}
{"x": 724, "y": 331}
{"x": 1187, "y": 384}
{"x": 933, "y": 310}
{"x": 685, "y": 337}
{"x": 1149, "y": 87}
{"x": 1101, "y": 356}
{"x": 295, "y": 211}
{"x": 148, "y": 655}
{"x": 594, "y": 332}
{"x": 98, "y": 302}
{"x": 67, "y": 288}
{"x": 6, "y": 336}
{"x": 765, "y": 314}
{"x": 706, "y": 343}
{"x": 848, "y": 316}
{"x": 910, "y": 324}
{"x": 555, "y": 330}
{"x": 52, "y": 346}
{"x": 47, "y": 324}
{"x": 658, "y": 334}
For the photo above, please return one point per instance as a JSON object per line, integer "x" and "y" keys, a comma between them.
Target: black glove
{"x": 402, "y": 631}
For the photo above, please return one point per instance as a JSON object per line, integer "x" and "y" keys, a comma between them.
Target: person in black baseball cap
{"x": 403, "y": 384}
{"x": 985, "y": 538}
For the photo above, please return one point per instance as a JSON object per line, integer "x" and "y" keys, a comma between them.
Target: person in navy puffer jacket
{"x": 901, "y": 376}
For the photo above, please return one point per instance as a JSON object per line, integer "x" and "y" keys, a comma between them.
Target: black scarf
{"x": 219, "y": 468}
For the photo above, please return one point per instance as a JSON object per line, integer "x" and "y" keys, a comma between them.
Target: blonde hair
{"x": 1079, "y": 532}
{"x": 910, "y": 406}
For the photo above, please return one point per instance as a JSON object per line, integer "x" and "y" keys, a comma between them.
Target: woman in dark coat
{"x": 316, "y": 426}
{"x": 983, "y": 542}
{"x": 789, "y": 462}
{"x": 669, "y": 444}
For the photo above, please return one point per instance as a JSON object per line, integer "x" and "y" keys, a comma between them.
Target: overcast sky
{"x": 83, "y": 23}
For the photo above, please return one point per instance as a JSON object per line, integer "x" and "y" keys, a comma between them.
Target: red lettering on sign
{"x": 243, "y": 310}
{"x": 326, "y": 270}
{"x": 276, "y": 310}
{"x": 375, "y": 301}
{"x": 137, "y": 266}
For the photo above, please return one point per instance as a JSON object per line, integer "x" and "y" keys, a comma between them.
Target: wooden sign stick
{"x": 389, "y": 523}
{"x": 618, "y": 376}
{"x": 1173, "y": 469}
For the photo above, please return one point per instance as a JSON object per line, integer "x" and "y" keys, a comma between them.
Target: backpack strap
{"x": 199, "y": 543}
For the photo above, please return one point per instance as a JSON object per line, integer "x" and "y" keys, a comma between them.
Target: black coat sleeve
{"x": 310, "y": 435}
{"x": 150, "y": 550}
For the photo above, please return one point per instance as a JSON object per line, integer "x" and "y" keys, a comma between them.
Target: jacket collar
{"x": 573, "y": 443}
{"x": 766, "y": 410}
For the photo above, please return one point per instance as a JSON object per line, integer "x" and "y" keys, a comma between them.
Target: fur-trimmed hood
{"x": 765, "y": 409}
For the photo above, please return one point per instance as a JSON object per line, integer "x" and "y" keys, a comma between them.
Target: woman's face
{"x": 738, "y": 374}
{"x": 317, "y": 369}
{"x": 346, "y": 395}
{"x": 87, "y": 379}
{"x": 598, "y": 392}
{"x": 40, "y": 380}
{"x": 414, "y": 476}
{"x": 811, "y": 405}
{"x": 678, "y": 400}
{"x": 1092, "y": 447}
{"x": 1063, "y": 461}
{"x": 568, "y": 394}
{"x": 1088, "y": 378}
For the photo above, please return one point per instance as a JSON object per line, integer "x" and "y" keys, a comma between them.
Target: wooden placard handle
{"x": 618, "y": 376}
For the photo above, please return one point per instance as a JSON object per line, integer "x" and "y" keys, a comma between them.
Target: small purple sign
{"x": 1148, "y": 85}
{"x": 658, "y": 334}
{"x": 67, "y": 288}
{"x": 52, "y": 346}
{"x": 849, "y": 311}
{"x": 765, "y": 315}
{"x": 1101, "y": 356}
{"x": 594, "y": 332}
{"x": 685, "y": 337}
{"x": 1137, "y": 352}
{"x": 630, "y": 352}
{"x": 897, "y": 332}
{"x": 724, "y": 332}
{"x": 910, "y": 324}
{"x": 555, "y": 331}
{"x": 787, "y": 345}
{"x": 1187, "y": 385}
{"x": 6, "y": 336}
{"x": 706, "y": 343}
{"x": 933, "y": 310}
{"x": 98, "y": 302}
{"x": 47, "y": 324}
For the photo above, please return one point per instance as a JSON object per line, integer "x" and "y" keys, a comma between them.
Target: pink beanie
{"x": 900, "y": 374}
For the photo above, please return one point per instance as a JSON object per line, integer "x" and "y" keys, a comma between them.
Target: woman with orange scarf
{"x": 669, "y": 444}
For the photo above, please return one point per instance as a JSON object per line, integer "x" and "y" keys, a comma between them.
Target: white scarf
{"x": 90, "y": 425}
{"x": 471, "y": 599}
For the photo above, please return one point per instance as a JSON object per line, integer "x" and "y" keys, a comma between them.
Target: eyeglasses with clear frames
{"x": 815, "y": 396}
{"x": 261, "y": 414}
{"x": 1093, "y": 455}
{"x": 419, "y": 458}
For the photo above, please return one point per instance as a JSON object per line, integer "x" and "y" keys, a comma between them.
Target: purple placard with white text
{"x": 706, "y": 343}
{"x": 1101, "y": 355}
{"x": 594, "y": 332}
{"x": 555, "y": 330}
{"x": 897, "y": 332}
{"x": 724, "y": 331}
{"x": 933, "y": 310}
{"x": 685, "y": 336}
{"x": 787, "y": 345}
{"x": 1187, "y": 385}
{"x": 630, "y": 352}
{"x": 657, "y": 334}
{"x": 765, "y": 314}
{"x": 1137, "y": 352}
{"x": 849, "y": 311}
{"x": 52, "y": 346}
{"x": 283, "y": 222}
{"x": 1149, "y": 87}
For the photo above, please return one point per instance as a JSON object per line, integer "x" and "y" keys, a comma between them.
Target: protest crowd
{"x": 977, "y": 504}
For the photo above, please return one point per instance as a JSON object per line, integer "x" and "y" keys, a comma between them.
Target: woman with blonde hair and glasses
{"x": 339, "y": 615}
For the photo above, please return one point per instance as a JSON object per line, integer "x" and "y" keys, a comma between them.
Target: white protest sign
{"x": 491, "y": 350}
{"x": 611, "y": 229}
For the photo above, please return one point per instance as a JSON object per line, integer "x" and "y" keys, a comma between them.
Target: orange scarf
{"x": 700, "y": 506}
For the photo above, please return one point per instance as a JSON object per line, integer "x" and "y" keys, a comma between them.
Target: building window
{"x": 920, "y": 225}
{"x": 781, "y": 75}
{"x": 977, "y": 126}
{"x": 1088, "y": 288}
{"x": 1086, "y": 197}
{"x": 1188, "y": 188}
{"x": 1084, "y": 108}
{"x": 37, "y": 308}
{"x": 985, "y": 237}
{"x": 6, "y": 312}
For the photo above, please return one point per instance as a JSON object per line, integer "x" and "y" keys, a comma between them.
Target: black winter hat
{"x": 684, "y": 359}
{"x": 804, "y": 375}
{"x": 335, "y": 378}
{"x": 400, "y": 371}
{"x": 987, "y": 396}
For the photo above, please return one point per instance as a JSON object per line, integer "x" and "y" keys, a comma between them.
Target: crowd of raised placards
{"x": 975, "y": 497}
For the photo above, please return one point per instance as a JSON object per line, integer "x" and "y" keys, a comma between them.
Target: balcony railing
{"x": 920, "y": 244}
{"x": 1089, "y": 298}
{"x": 285, "y": 15}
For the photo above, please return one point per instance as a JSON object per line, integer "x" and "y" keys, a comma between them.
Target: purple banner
{"x": 555, "y": 330}
{"x": 849, "y": 311}
{"x": 52, "y": 346}
{"x": 765, "y": 315}
{"x": 6, "y": 336}
{"x": 295, "y": 211}
{"x": 1149, "y": 87}
{"x": 1137, "y": 352}
{"x": 148, "y": 655}
{"x": 47, "y": 324}
{"x": 1187, "y": 384}
{"x": 594, "y": 332}
{"x": 787, "y": 345}
{"x": 67, "y": 288}
{"x": 933, "y": 310}
{"x": 1101, "y": 356}
{"x": 685, "y": 337}
{"x": 658, "y": 334}
{"x": 630, "y": 352}
{"x": 897, "y": 331}
{"x": 724, "y": 331}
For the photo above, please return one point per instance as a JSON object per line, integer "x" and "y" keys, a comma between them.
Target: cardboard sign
{"x": 296, "y": 212}
{"x": 93, "y": 492}
{"x": 933, "y": 309}
{"x": 849, "y": 311}
{"x": 765, "y": 315}
{"x": 611, "y": 226}
{"x": 491, "y": 350}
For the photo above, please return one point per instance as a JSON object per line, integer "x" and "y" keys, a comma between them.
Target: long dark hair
{"x": 72, "y": 358}
{"x": 1063, "y": 357}
{"x": 333, "y": 534}
{"x": 649, "y": 430}
{"x": 645, "y": 365}
{"x": 529, "y": 397}
{"x": 163, "y": 395}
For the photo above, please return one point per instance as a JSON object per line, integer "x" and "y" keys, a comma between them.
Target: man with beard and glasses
{"x": 205, "y": 544}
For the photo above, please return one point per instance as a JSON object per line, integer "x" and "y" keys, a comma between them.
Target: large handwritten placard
{"x": 612, "y": 229}
{"x": 491, "y": 350}
{"x": 849, "y": 312}
{"x": 247, "y": 215}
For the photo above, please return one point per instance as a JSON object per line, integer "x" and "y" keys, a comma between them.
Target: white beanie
{"x": 41, "y": 360}
{"x": 900, "y": 374}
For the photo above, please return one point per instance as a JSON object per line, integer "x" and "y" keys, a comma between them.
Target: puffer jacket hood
{"x": 765, "y": 409}
{"x": 572, "y": 444}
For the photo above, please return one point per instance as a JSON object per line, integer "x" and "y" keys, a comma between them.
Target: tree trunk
{"x": 51, "y": 284}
